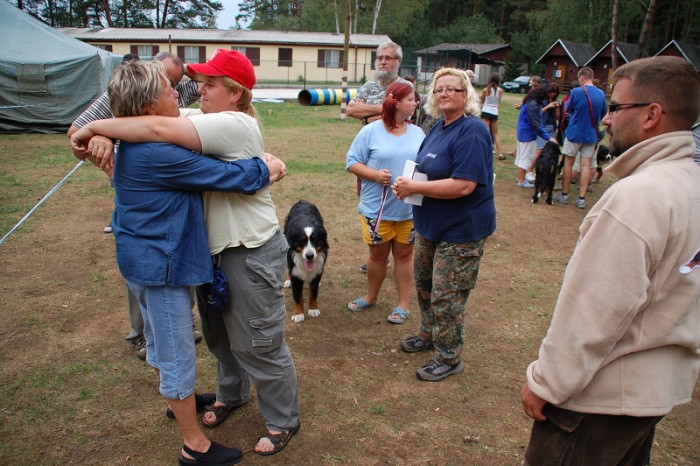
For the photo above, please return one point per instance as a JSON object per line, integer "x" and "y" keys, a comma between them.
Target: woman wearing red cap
{"x": 245, "y": 239}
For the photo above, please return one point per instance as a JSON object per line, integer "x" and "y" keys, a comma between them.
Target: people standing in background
{"x": 490, "y": 101}
{"x": 367, "y": 105}
{"x": 585, "y": 108}
{"x": 530, "y": 126}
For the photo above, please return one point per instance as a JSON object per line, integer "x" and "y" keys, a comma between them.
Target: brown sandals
{"x": 279, "y": 441}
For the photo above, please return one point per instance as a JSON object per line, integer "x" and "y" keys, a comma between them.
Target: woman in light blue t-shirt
{"x": 377, "y": 156}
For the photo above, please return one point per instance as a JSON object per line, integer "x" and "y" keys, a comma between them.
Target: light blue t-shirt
{"x": 376, "y": 148}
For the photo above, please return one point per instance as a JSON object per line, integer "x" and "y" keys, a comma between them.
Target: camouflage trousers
{"x": 445, "y": 274}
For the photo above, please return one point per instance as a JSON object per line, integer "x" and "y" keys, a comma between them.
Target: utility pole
{"x": 346, "y": 55}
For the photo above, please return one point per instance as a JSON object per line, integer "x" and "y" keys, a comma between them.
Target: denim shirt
{"x": 159, "y": 229}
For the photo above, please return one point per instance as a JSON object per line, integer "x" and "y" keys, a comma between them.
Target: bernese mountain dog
{"x": 307, "y": 255}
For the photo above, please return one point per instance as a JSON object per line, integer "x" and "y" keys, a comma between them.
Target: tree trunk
{"x": 337, "y": 22}
{"x": 108, "y": 13}
{"x": 615, "y": 13}
{"x": 376, "y": 15}
{"x": 646, "y": 27}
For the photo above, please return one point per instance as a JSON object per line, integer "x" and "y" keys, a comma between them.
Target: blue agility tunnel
{"x": 311, "y": 97}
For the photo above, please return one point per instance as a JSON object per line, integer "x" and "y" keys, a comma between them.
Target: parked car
{"x": 521, "y": 84}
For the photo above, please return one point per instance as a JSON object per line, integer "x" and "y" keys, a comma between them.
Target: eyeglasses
{"x": 612, "y": 108}
{"x": 447, "y": 90}
{"x": 386, "y": 58}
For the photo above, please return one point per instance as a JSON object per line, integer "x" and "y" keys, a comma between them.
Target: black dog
{"x": 546, "y": 171}
{"x": 602, "y": 156}
{"x": 307, "y": 255}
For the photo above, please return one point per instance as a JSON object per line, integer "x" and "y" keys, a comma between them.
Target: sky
{"x": 227, "y": 17}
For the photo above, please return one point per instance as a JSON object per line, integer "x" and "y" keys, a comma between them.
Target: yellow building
{"x": 278, "y": 56}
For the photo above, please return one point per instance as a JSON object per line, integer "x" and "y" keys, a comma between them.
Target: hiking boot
{"x": 433, "y": 371}
{"x": 140, "y": 348}
{"x": 561, "y": 198}
{"x": 581, "y": 202}
{"x": 415, "y": 344}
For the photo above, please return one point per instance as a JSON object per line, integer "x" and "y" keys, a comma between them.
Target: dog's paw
{"x": 314, "y": 313}
{"x": 287, "y": 284}
{"x": 296, "y": 318}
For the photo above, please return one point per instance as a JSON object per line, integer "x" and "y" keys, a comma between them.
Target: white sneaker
{"x": 529, "y": 176}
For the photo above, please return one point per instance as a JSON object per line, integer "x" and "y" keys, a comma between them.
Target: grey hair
{"x": 392, "y": 45}
{"x": 134, "y": 85}
{"x": 163, "y": 55}
{"x": 471, "y": 102}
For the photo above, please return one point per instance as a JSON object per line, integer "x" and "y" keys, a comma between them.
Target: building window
{"x": 284, "y": 57}
{"x": 145, "y": 52}
{"x": 328, "y": 58}
{"x": 192, "y": 54}
{"x": 107, "y": 47}
{"x": 253, "y": 54}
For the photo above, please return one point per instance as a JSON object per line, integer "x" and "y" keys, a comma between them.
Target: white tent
{"x": 46, "y": 78}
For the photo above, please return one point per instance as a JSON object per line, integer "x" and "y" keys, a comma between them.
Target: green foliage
{"x": 123, "y": 13}
{"x": 476, "y": 29}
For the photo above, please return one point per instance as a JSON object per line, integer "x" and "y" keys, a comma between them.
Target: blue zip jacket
{"x": 530, "y": 123}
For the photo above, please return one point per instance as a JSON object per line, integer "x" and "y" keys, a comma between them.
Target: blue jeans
{"x": 167, "y": 326}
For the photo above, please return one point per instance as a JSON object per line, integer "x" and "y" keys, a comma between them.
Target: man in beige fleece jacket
{"x": 623, "y": 347}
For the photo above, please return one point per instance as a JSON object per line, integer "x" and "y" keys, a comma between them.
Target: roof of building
{"x": 474, "y": 48}
{"x": 689, "y": 52}
{"x": 237, "y": 36}
{"x": 579, "y": 53}
{"x": 627, "y": 52}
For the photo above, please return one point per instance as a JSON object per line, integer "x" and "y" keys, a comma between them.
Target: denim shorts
{"x": 167, "y": 326}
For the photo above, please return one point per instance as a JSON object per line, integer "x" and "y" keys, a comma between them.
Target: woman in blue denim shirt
{"x": 161, "y": 239}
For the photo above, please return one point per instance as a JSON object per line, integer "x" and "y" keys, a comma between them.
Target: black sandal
{"x": 278, "y": 441}
{"x": 201, "y": 402}
{"x": 217, "y": 455}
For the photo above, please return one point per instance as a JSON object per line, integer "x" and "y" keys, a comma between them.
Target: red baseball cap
{"x": 229, "y": 63}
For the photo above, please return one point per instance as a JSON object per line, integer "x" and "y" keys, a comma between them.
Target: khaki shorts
{"x": 571, "y": 149}
{"x": 401, "y": 232}
{"x": 577, "y": 163}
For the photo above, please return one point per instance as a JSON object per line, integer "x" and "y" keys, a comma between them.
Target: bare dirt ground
{"x": 72, "y": 391}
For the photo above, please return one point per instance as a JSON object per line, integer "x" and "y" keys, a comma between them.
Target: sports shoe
{"x": 433, "y": 371}
{"x": 415, "y": 344}
{"x": 107, "y": 229}
{"x": 561, "y": 198}
{"x": 590, "y": 187}
{"x": 140, "y": 348}
{"x": 581, "y": 202}
{"x": 197, "y": 336}
{"x": 529, "y": 176}
{"x": 525, "y": 184}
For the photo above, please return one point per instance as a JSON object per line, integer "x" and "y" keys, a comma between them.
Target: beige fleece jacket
{"x": 625, "y": 334}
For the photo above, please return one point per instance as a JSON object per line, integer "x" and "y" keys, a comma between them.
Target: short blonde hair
{"x": 471, "y": 101}
{"x": 135, "y": 84}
